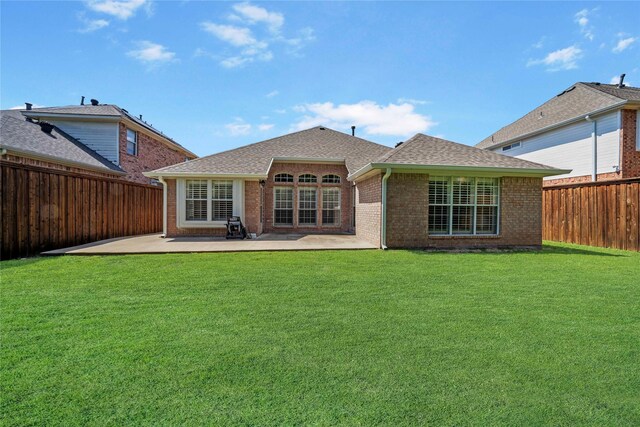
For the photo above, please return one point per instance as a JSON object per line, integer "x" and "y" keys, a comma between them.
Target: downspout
{"x": 383, "y": 221}
{"x": 164, "y": 206}
{"x": 594, "y": 141}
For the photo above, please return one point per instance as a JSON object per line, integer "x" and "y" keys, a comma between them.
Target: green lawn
{"x": 323, "y": 338}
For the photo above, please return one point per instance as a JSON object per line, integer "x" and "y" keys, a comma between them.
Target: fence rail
{"x": 605, "y": 214}
{"x": 44, "y": 209}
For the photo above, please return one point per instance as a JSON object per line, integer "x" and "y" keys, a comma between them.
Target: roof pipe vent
{"x": 353, "y": 131}
{"x": 28, "y": 105}
{"x": 82, "y": 101}
{"x": 621, "y": 82}
{"x": 46, "y": 127}
{"x": 94, "y": 102}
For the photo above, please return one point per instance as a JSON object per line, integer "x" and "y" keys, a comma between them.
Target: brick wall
{"x": 172, "y": 228}
{"x": 407, "y": 205}
{"x": 252, "y": 197}
{"x": 407, "y": 214}
{"x": 318, "y": 170}
{"x": 628, "y": 145}
{"x": 368, "y": 209}
{"x": 152, "y": 154}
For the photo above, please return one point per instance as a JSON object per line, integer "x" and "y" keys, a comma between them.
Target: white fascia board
{"x": 173, "y": 175}
{"x": 495, "y": 171}
{"x": 558, "y": 125}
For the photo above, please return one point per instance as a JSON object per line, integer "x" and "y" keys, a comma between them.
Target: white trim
{"x": 181, "y": 222}
{"x": 293, "y": 206}
{"x": 191, "y": 175}
{"x": 306, "y": 160}
{"x": 164, "y": 206}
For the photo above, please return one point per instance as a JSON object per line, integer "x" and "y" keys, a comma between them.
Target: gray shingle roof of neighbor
{"x": 108, "y": 110}
{"x": 20, "y": 136}
{"x": 318, "y": 143}
{"x": 425, "y": 150}
{"x": 574, "y": 103}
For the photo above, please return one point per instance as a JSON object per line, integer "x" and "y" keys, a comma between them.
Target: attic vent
{"x": 46, "y": 127}
{"x": 321, "y": 128}
{"x": 566, "y": 91}
{"x": 401, "y": 142}
{"x": 94, "y": 102}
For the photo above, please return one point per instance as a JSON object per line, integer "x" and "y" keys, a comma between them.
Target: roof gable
{"x": 318, "y": 143}
{"x": 575, "y": 102}
{"x": 27, "y": 138}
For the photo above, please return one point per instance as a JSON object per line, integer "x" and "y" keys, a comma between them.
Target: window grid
{"x": 331, "y": 179}
{"x": 283, "y": 206}
{"x": 283, "y": 177}
{"x": 331, "y": 206}
{"x": 221, "y": 200}
{"x": 463, "y": 205}
{"x": 132, "y": 142}
{"x": 307, "y": 206}
{"x": 196, "y": 200}
{"x": 307, "y": 178}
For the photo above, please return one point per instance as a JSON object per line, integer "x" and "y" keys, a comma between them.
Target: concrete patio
{"x": 154, "y": 244}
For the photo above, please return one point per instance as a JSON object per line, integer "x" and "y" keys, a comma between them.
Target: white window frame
{"x": 219, "y": 199}
{"x": 312, "y": 179}
{"x": 181, "y": 191}
{"x": 134, "y": 142}
{"x": 299, "y": 208}
{"x": 293, "y": 206}
{"x": 331, "y": 178}
{"x": 337, "y": 210}
{"x": 474, "y": 205}
{"x": 288, "y": 175}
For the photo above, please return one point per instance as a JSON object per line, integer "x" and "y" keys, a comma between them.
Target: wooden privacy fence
{"x": 602, "y": 214}
{"x": 44, "y": 209}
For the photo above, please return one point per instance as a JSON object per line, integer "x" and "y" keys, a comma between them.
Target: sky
{"x": 218, "y": 75}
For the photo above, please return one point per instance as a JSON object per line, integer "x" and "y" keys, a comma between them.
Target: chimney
{"x": 353, "y": 131}
{"x": 28, "y": 105}
{"x": 621, "y": 82}
{"x": 94, "y": 102}
{"x": 82, "y": 101}
{"x": 140, "y": 116}
{"x": 46, "y": 127}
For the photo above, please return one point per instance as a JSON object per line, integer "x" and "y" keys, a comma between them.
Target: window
{"x": 331, "y": 206}
{"x": 221, "y": 200}
{"x": 132, "y": 142}
{"x": 307, "y": 206}
{"x": 331, "y": 179}
{"x": 307, "y": 178}
{"x": 196, "y": 200}
{"x": 462, "y": 205}
{"x": 511, "y": 146}
{"x": 283, "y": 177}
{"x": 283, "y": 206}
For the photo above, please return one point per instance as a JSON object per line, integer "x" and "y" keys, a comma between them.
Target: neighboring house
{"x": 128, "y": 143}
{"x": 427, "y": 192}
{"x": 590, "y": 128}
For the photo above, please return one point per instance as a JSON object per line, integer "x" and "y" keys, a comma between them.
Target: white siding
{"x": 100, "y": 137}
{"x": 571, "y": 147}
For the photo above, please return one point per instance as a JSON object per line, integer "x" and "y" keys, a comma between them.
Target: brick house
{"x": 590, "y": 128}
{"x": 426, "y": 192}
{"x": 94, "y": 139}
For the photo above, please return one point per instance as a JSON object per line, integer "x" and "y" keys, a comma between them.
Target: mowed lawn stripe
{"x": 323, "y": 338}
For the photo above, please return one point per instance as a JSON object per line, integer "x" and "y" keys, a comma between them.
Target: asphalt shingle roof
{"x": 316, "y": 143}
{"x": 577, "y": 101}
{"x": 428, "y": 150}
{"x": 20, "y": 135}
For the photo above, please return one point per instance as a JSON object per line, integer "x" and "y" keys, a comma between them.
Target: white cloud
{"x": 392, "y": 119}
{"x": 265, "y": 127}
{"x": 540, "y": 43}
{"x": 582, "y": 19}
{"x": 280, "y": 111}
{"x": 91, "y": 25}
{"x": 121, "y": 9}
{"x": 561, "y": 59}
{"x": 272, "y": 94}
{"x": 238, "y": 127}
{"x": 616, "y": 79}
{"x": 624, "y": 44}
{"x": 236, "y": 36}
{"x": 412, "y": 101}
{"x": 23, "y": 107}
{"x": 151, "y": 53}
{"x": 253, "y": 14}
